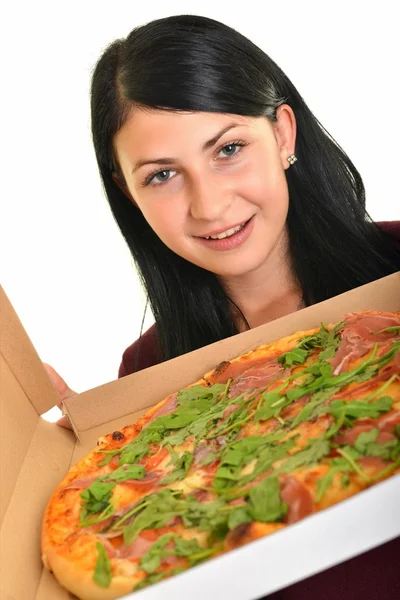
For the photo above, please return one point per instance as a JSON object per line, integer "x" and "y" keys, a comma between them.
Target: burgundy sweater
{"x": 374, "y": 575}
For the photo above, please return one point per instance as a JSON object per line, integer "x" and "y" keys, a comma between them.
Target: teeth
{"x": 226, "y": 233}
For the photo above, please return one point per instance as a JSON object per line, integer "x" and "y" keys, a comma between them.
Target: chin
{"x": 231, "y": 267}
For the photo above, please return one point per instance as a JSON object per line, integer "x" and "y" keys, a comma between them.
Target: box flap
{"x": 23, "y": 360}
{"x": 141, "y": 390}
{"x": 47, "y": 459}
{"x": 35, "y": 455}
{"x": 18, "y": 421}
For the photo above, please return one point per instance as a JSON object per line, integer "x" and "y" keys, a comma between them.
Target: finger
{"x": 58, "y": 382}
{"x": 64, "y": 422}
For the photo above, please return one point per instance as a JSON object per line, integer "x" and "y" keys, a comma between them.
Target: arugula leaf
{"x": 163, "y": 548}
{"x": 364, "y": 439}
{"x": 357, "y": 409}
{"x": 394, "y": 329}
{"x": 272, "y": 403}
{"x": 345, "y": 480}
{"x": 125, "y": 473}
{"x": 183, "y": 464}
{"x": 200, "y": 426}
{"x": 267, "y": 457}
{"x": 179, "y": 418}
{"x": 155, "y": 577}
{"x": 153, "y": 511}
{"x": 186, "y": 547}
{"x": 313, "y": 408}
{"x": 238, "y": 516}
{"x": 352, "y": 455}
{"x": 133, "y": 452}
{"x": 265, "y": 502}
{"x": 235, "y": 419}
{"x": 337, "y": 465}
{"x": 297, "y": 356}
{"x": 102, "y": 571}
{"x": 96, "y": 498}
{"x": 321, "y": 373}
{"x": 315, "y": 450}
{"x": 366, "y": 444}
{"x": 323, "y": 339}
{"x": 201, "y": 514}
{"x": 235, "y": 456}
{"x": 387, "y": 451}
{"x": 196, "y": 392}
{"x": 328, "y": 341}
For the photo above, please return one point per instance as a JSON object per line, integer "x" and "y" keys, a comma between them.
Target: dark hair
{"x": 193, "y": 63}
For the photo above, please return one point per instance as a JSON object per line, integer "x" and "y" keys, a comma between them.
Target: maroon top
{"x": 374, "y": 575}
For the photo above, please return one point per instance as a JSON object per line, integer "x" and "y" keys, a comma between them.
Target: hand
{"x": 63, "y": 392}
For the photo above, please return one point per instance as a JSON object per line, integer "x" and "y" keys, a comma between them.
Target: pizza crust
{"x": 80, "y": 581}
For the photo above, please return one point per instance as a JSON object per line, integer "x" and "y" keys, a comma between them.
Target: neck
{"x": 269, "y": 292}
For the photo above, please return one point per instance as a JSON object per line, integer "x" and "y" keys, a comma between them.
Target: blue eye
{"x": 158, "y": 177}
{"x": 231, "y": 149}
{"x": 162, "y": 176}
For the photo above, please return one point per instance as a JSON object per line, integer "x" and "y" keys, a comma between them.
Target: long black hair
{"x": 191, "y": 63}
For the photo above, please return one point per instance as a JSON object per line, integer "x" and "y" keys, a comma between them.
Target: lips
{"x": 228, "y": 239}
{"x": 226, "y": 233}
{"x": 220, "y": 234}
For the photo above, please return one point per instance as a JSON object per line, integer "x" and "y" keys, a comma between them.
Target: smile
{"x": 228, "y": 239}
{"x": 226, "y": 233}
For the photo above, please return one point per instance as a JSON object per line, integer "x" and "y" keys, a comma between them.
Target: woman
{"x": 163, "y": 93}
{"x": 237, "y": 205}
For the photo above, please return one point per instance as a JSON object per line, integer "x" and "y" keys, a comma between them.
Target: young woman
{"x": 198, "y": 134}
{"x": 237, "y": 206}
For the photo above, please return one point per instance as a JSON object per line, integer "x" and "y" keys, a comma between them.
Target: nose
{"x": 210, "y": 197}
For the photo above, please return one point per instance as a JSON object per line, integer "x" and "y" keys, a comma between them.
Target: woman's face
{"x": 212, "y": 186}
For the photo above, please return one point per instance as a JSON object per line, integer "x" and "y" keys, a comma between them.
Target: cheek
{"x": 266, "y": 187}
{"x": 167, "y": 221}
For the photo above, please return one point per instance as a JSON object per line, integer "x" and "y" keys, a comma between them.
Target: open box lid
{"x": 36, "y": 455}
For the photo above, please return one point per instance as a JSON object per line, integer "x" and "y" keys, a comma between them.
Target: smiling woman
{"x": 230, "y": 194}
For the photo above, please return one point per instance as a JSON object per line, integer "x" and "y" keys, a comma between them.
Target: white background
{"x": 64, "y": 264}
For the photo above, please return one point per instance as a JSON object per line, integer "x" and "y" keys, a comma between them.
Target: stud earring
{"x": 292, "y": 159}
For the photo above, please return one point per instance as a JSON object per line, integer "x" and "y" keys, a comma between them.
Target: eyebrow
{"x": 167, "y": 160}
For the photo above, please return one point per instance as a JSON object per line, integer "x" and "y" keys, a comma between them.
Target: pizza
{"x": 257, "y": 444}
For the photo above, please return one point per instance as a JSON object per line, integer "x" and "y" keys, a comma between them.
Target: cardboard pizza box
{"x": 36, "y": 454}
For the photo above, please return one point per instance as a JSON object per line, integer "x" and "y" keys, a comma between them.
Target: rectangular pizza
{"x": 257, "y": 444}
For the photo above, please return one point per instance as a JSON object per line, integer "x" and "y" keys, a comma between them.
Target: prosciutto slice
{"x": 359, "y": 335}
{"x": 297, "y": 497}
{"x": 257, "y": 376}
{"x": 168, "y": 407}
{"x": 149, "y": 480}
{"x": 137, "y": 549}
{"x": 349, "y": 436}
{"x": 81, "y": 484}
{"x": 233, "y": 370}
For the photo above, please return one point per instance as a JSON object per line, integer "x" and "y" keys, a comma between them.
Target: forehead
{"x": 149, "y": 130}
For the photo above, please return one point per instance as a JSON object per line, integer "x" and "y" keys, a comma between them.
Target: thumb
{"x": 59, "y": 384}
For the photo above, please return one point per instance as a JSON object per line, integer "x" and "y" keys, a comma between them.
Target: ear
{"x": 123, "y": 187}
{"x": 285, "y": 133}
